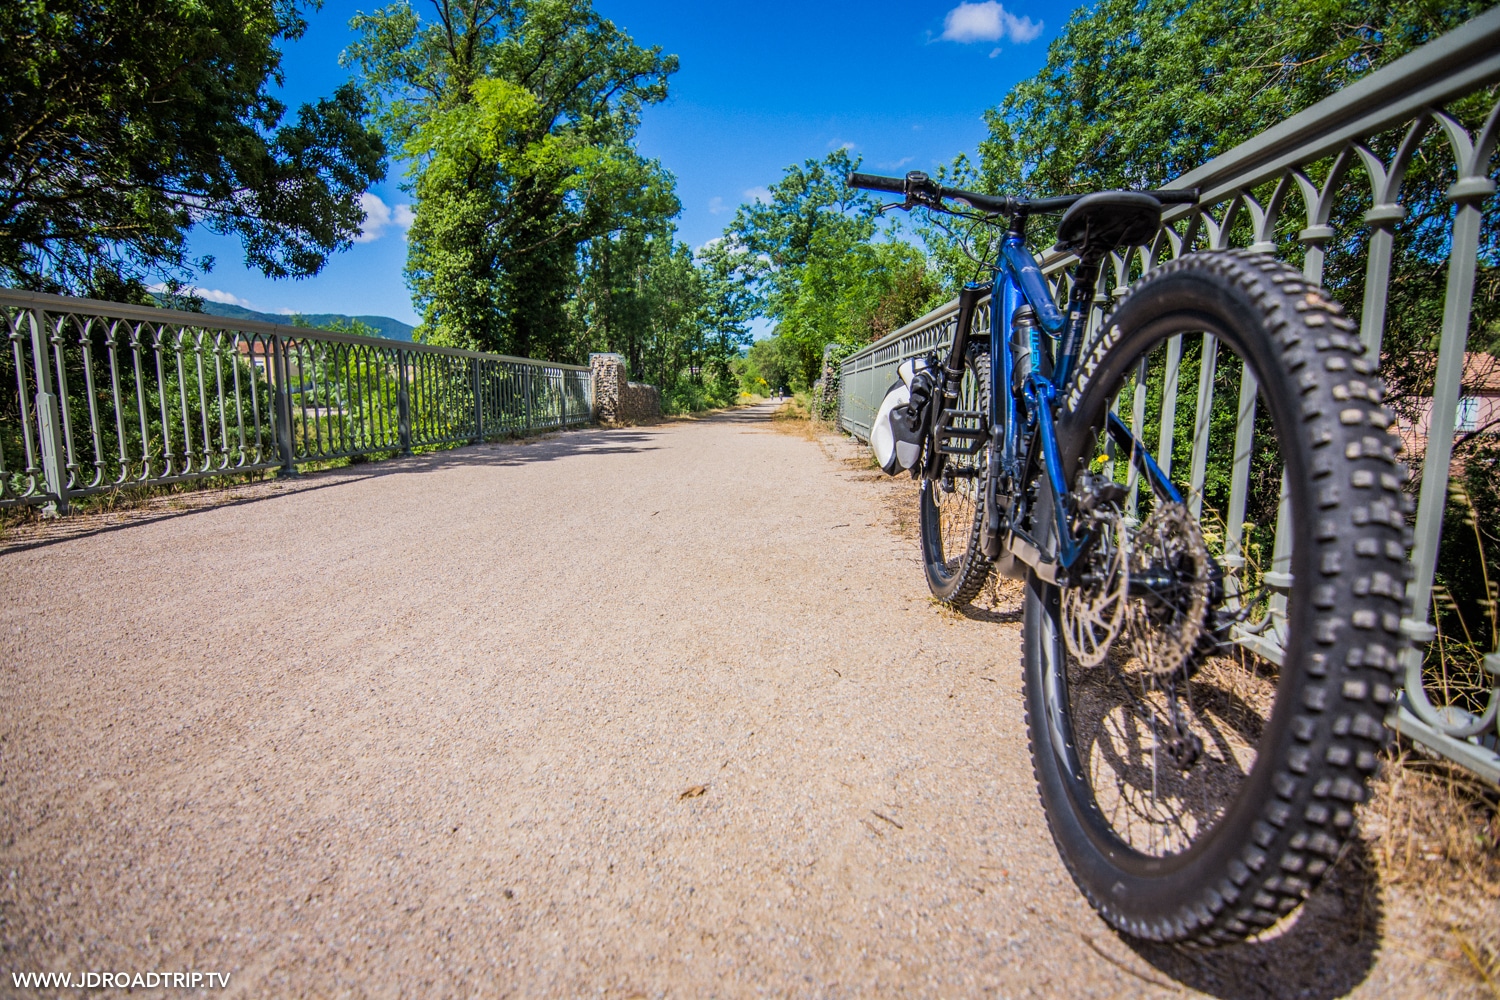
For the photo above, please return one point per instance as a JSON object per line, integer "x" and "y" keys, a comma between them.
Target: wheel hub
{"x": 1171, "y": 577}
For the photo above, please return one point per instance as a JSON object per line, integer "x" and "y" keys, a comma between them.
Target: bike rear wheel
{"x": 1199, "y": 767}
{"x": 951, "y": 508}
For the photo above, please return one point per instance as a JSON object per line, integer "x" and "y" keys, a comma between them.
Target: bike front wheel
{"x": 1205, "y": 699}
{"x": 951, "y": 506}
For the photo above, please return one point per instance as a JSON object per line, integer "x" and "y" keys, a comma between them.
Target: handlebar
{"x": 920, "y": 189}
{"x": 874, "y": 182}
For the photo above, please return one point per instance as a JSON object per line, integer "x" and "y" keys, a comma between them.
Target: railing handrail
{"x": 123, "y": 310}
{"x": 112, "y": 396}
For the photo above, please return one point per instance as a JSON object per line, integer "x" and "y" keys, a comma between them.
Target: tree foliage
{"x": 1134, "y": 94}
{"x": 518, "y": 119}
{"x": 679, "y": 319}
{"x": 823, "y": 266}
{"x": 125, "y": 122}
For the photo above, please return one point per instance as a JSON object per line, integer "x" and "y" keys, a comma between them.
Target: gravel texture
{"x": 646, "y": 712}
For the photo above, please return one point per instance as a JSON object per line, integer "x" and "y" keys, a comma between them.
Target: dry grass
{"x": 795, "y": 408}
{"x": 170, "y": 496}
{"x": 795, "y": 417}
{"x": 1434, "y": 835}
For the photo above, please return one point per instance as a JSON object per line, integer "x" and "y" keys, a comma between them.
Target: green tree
{"x": 126, "y": 122}
{"x": 1134, "y": 94}
{"x": 518, "y": 119}
{"x": 823, "y": 267}
{"x": 764, "y": 369}
{"x": 728, "y": 302}
{"x": 612, "y": 306}
{"x": 679, "y": 319}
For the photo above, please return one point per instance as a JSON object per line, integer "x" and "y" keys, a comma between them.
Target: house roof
{"x": 1481, "y": 374}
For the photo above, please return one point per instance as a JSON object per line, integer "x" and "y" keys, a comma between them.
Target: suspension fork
{"x": 953, "y": 374}
{"x": 953, "y": 366}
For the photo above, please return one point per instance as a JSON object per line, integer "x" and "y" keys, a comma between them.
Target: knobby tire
{"x": 953, "y": 560}
{"x": 1293, "y": 808}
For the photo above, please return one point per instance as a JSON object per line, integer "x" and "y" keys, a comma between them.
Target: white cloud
{"x": 759, "y": 194}
{"x": 716, "y": 206}
{"x": 206, "y": 294}
{"x": 988, "y": 22}
{"x": 896, "y": 165}
{"x": 379, "y": 217}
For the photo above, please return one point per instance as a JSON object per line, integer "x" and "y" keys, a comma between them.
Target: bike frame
{"x": 1025, "y": 430}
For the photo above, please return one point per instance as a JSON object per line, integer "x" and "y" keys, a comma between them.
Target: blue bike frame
{"x": 1018, "y": 281}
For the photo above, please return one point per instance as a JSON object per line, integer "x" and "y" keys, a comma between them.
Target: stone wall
{"x": 617, "y": 400}
{"x": 825, "y": 394}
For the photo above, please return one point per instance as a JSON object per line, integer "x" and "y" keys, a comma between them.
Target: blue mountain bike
{"x": 1204, "y": 703}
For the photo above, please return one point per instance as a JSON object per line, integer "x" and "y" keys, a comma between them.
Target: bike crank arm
{"x": 1029, "y": 551}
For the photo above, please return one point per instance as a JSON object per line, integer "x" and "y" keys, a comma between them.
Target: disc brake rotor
{"x": 1171, "y": 569}
{"x": 1093, "y": 613}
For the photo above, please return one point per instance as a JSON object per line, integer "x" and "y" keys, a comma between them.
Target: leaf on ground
{"x": 694, "y": 792}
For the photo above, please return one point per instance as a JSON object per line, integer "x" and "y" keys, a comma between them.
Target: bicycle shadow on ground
{"x": 994, "y": 615}
{"x": 1326, "y": 952}
{"x": 505, "y": 453}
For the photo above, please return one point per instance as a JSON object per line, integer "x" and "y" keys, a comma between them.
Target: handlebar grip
{"x": 1186, "y": 196}
{"x": 874, "y": 182}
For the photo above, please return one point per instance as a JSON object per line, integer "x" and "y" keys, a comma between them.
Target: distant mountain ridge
{"x": 385, "y": 326}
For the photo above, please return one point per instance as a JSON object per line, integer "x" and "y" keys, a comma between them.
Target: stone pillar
{"x": 617, "y": 400}
{"x": 608, "y": 372}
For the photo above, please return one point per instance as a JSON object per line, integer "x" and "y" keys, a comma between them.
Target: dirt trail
{"x": 648, "y": 712}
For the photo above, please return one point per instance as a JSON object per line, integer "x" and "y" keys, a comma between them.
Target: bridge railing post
{"x": 403, "y": 402}
{"x": 49, "y": 417}
{"x": 476, "y": 386}
{"x": 281, "y": 374}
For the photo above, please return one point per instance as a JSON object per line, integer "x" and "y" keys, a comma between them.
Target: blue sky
{"x": 760, "y": 86}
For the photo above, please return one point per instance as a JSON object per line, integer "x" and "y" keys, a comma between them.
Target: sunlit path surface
{"x": 648, "y": 712}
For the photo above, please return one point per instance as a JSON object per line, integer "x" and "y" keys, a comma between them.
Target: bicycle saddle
{"x": 1109, "y": 219}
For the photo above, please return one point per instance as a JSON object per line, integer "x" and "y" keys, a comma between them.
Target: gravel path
{"x": 646, "y": 712}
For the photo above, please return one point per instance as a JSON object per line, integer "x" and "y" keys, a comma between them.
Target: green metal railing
{"x": 1355, "y": 147}
{"x": 100, "y": 396}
